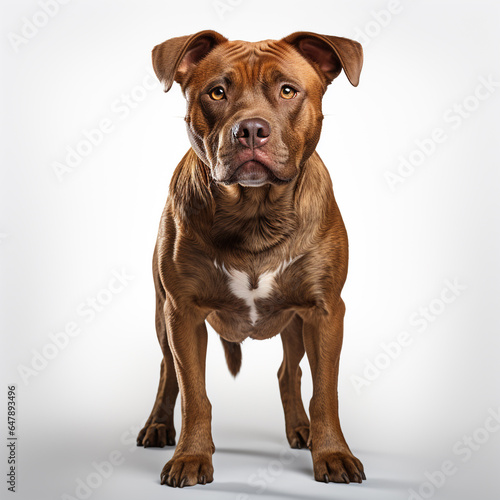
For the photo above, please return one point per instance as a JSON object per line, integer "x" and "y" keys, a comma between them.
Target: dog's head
{"x": 254, "y": 109}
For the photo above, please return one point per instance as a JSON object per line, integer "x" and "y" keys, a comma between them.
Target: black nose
{"x": 252, "y": 133}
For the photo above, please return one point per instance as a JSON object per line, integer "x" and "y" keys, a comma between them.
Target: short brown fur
{"x": 251, "y": 215}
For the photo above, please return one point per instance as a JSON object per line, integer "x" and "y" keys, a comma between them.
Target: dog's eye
{"x": 288, "y": 92}
{"x": 217, "y": 94}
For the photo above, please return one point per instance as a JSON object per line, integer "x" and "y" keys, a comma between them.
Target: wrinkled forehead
{"x": 252, "y": 63}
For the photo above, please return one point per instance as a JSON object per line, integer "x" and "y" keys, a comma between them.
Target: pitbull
{"x": 251, "y": 240}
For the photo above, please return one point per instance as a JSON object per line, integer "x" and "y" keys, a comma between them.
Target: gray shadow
{"x": 259, "y": 453}
{"x": 388, "y": 484}
{"x": 242, "y": 488}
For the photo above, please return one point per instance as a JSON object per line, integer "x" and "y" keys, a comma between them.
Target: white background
{"x": 61, "y": 240}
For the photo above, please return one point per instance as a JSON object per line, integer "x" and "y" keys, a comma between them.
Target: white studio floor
{"x": 246, "y": 467}
{"x": 250, "y": 463}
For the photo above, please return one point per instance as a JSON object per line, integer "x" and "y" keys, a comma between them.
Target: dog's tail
{"x": 232, "y": 350}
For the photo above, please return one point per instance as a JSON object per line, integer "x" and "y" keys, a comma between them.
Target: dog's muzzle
{"x": 252, "y": 164}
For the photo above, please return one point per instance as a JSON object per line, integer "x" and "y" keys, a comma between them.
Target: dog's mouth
{"x": 253, "y": 173}
{"x": 252, "y": 167}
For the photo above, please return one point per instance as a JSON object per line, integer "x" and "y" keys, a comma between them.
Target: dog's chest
{"x": 260, "y": 292}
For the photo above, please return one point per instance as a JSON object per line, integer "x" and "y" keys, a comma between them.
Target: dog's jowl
{"x": 251, "y": 240}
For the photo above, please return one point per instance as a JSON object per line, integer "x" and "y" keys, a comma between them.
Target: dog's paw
{"x": 156, "y": 435}
{"x": 298, "y": 437}
{"x": 187, "y": 470}
{"x": 338, "y": 468}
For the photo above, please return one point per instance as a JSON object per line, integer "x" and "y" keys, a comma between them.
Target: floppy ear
{"x": 330, "y": 54}
{"x": 173, "y": 59}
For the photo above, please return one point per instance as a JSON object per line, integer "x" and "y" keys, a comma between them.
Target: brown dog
{"x": 251, "y": 239}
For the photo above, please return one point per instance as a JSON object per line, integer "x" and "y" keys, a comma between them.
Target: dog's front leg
{"x": 192, "y": 460}
{"x": 332, "y": 458}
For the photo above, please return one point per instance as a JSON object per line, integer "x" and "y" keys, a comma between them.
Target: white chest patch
{"x": 240, "y": 285}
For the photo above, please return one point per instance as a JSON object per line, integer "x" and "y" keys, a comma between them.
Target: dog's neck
{"x": 235, "y": 218}
{"x": 253, "y": 219}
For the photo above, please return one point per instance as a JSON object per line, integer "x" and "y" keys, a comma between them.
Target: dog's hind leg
{"x": 159, "y": 429}
{"x": 289, "y": 374}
